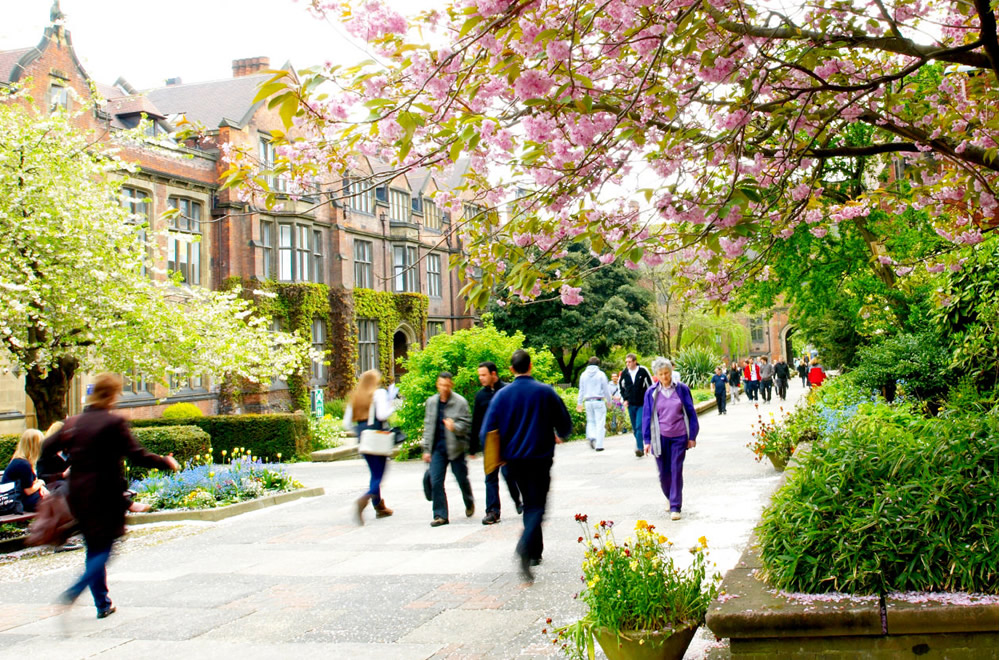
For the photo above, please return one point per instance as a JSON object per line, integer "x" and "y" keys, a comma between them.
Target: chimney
{"x": 174, "y": 81}
{"x": 248, "y": 66}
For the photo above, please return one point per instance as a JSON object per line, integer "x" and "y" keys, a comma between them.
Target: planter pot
{"x": 635, "y": 645}
{"x": 778, "y": 462}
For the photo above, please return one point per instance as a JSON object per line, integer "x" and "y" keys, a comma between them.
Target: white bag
{"x": 376, "y": 443}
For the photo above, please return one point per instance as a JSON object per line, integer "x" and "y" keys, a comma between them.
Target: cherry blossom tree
{"x": 72, "y": 290}
{"x": 735, "y": 124}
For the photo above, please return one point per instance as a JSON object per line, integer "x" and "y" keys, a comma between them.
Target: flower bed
{"x": 207, "y": 486}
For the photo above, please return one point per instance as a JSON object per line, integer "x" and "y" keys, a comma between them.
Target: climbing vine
{"x": 389, "y": 310}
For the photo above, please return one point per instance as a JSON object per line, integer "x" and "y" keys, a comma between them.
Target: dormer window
{"x": 399, "y": 206}
{"x": 58, "y": 97}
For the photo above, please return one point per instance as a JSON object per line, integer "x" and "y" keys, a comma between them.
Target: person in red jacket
{"x": 751, "y": 379}
{"x": 816, "y": 373}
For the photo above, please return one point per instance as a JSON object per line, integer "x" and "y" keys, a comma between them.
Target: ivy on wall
{"x": 294, "y": 306}
{"x": 343, "y": 338}
{"x": 389, "y": 310}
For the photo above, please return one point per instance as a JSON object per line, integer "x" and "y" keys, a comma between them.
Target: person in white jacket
{"x": 595, "y": 398}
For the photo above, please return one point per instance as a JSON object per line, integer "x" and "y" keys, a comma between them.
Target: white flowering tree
{"x": 73, "y": 294}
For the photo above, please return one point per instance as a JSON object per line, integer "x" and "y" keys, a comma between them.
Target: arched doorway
{"x": 401, "y": 340}
{"x": 787, "y": 345}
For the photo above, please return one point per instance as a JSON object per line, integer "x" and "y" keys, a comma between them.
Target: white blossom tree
{"x": 73, "y": 294}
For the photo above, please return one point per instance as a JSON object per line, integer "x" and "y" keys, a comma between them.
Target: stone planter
{"x": 779, "y": 462}
{"x": 635, "y": 645}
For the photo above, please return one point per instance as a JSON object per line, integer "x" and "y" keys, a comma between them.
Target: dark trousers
{"x": 805, "y": 381}
{"x": 752, "y": 388}
{"x": 439, "y": 467}
{"x": 532, "y": 477}
{"x": 670, "y": 464}
{"x": 493, "y": 489}
{"x": 635, "y": 417}
{"x": 376, "y": 466}
{"x": 720, "y": 400}
{"x": 781, "y": 385}
{"x": 765, "y": 389}
{"x": 95, "y": 576}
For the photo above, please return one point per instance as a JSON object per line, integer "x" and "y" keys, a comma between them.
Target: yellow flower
{"x": 641, "y": 524}
{"x": 703, "y": 541}
{"x": 633, "y": 564}
{"x": 662, "y": 539}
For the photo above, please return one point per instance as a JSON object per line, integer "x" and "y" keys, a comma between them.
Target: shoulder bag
{"x": 375, "y": 442}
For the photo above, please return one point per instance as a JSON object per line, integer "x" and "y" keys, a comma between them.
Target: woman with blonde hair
{"x": 21, "y": 470}
{"x": 368, "y": 407}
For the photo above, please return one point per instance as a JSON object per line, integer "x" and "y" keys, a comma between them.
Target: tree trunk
{"x": 48, "y": 391}
{"x": 567, "y": 370}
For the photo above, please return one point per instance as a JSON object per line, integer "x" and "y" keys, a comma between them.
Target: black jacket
{"x": 633, "y": 393}
{"x": 781, "y": 370}
{"x": 479, "y": 407}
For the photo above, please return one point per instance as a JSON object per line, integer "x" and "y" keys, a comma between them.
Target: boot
{"x": 381, "y": 510}
{"x": 360, "y": 508}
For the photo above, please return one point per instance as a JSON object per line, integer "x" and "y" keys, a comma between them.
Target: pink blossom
{"x": 818, "y": 232}
{"x": 606, "y": 258}
{"x": 532, "y": 84}
{"x": 801, "y": 192}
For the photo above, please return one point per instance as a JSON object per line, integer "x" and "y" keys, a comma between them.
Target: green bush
{"x": 182, "y": 410}
{"x": 568, "y": 396}
{"x": 184, "y": 442}
{"x": 891, "y": 501}
{"x": 8, "y": 443}
{"x": 334, "y": 408}
{"x": 917, "y": 364}
{"x": 265, "y": 436}
{"x": 695, "y": 366}
{"x": 460, "y": 354}
{"x": 327, "y": 432}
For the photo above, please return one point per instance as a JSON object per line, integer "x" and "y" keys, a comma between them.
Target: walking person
{"x": 734, "y": 381}
{"x": 816, "y": 373}
{"x": 490, "y": 380}
{"x": 766, "y": 378}
{"x": 719, "y": 383}
{"x": 530, "y": 418}
{"x": 616, "y": 400}
{"x": 97, "y": 441}
{"x": 669, "y": 430}
{"x": 803, "y": 370}
{"x": 634, "y": 381}
{"x": 446, "y": 431}
{"x": 595, "y": 398}
{"x": 751, "y": 379}
{"x": 781, "y": 374}
{"x": 368, "y": 407}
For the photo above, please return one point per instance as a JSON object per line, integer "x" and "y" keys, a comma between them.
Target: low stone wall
{"x": 763, "y": 624}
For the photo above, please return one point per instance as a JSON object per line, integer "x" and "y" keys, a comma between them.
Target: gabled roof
{"x": 211, "y": 103}
{"x": 9, "y": 60}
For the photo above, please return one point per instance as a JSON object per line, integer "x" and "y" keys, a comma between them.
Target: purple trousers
{"x": 670, "y": 464}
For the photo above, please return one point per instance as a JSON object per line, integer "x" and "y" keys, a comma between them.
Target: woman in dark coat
{"x": 98, "y": 440}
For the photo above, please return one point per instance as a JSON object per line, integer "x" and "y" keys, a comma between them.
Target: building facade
{"x": 390, "y": 240}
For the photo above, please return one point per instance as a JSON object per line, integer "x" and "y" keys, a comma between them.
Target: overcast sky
{"x": 148, "y": 42}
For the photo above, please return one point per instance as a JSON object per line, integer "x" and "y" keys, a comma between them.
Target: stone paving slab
{"x": 302, "y": 580}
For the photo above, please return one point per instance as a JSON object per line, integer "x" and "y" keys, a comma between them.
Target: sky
{"x": 197, "y": 40}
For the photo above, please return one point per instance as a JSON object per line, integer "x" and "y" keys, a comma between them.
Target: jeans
{"x": 781, "y": 385}
{"x": 720, "y": 400}
{"x": 765, "y": 389}
{"x": 439, "y": 467}
{"x": 752, "y": 387}
{"x": 532, "y": 476}
{"x": 597, "y": 413}
{"x": 670, "y": 465}
{"x": 95, "y": 576}
{"x": 805, "y": 381}
{"x": 376, "y": 467}
{"x": 635, "y": 416}
{"x": 493, "y": 489}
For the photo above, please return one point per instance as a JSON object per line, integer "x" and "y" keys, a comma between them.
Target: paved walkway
{"x": 301, "y": 581}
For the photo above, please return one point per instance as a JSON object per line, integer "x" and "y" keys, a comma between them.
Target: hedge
{"x": 265, "y": 436}
{"x": 8, "y": 443}
{"x": 184, "y": 442}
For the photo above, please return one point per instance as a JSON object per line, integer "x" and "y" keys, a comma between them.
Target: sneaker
{"x": 639, "y": 453}
{"x": 106, "y": 612}
{"x": 675, "y": 515}
{"x": 520, "y": 508}
{"x": 593, "y": 445}
{"x": 491, "y": 518}
{"x": 69, "y": 546}
{"x": 600, "y": 449}
{"x": 437, "y": 522}
{"x": 470, "y": 510}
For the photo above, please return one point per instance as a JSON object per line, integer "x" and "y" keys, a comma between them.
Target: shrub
{"x": 334, "y": 408}
{"x": 182, "y": 410}
{"x": 8, "y": 443}
{"x": 695, "y": 366}
{"x": 186, "y": 443}
{"x": 266, "y": 436}
{"x": 568, "y": 396}
{"x": 327, "y": 432}
{"x": 918, "y": 364}
{"x": 460, "y": 354}
{"x": 891, "y": 501}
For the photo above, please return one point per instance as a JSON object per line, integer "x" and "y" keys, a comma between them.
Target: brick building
{"x": 390, "y": 239}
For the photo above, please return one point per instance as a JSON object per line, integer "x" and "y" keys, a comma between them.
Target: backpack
{"x": 10, "y": 500}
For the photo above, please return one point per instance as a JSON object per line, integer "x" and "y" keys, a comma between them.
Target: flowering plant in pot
{"x": 640, "y": 604}
{"x": 773, "y": 440}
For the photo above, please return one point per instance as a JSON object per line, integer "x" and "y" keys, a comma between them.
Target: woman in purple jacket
{"x": 669, "y": 430}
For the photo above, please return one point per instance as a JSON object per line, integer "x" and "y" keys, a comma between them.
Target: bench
{"x": 17, "y": 517}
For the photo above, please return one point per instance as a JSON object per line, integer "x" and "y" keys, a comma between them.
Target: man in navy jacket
{"x": 530, "y": 418}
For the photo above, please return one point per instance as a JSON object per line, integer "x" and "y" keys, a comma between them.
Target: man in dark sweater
{"x": 530, "y": 418}
{"x": 490, "y": 380}
{"x": 634, "y": 382}
{"x": 781, "y": 374}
